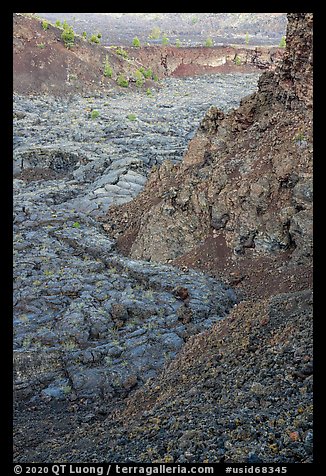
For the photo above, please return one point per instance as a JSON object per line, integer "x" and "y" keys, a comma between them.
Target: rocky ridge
{"x": 246, "y": 177}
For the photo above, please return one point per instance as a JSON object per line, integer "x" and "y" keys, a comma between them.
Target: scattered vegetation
{"x": 147, "y": 73}
{"x": 136, "y": 42}
{"x": 84, "y": 35}
{"x": 121, "y": 52}
{"x": 41, "y": 45}
{"x": 58, "y": 24}
{"x": 149, "y": 92}
{"x": 165, "y": 40}
{"x": 45, "y": 25}
{"x": 77, "y": 224}
{"x": 132, "y": 117}
{"x": 177, "y": 43}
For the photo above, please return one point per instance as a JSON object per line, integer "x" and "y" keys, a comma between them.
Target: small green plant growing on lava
{"x": 136, "y": 42}
{"x": 132, "y": 117}
{"x": 282, "y": 42}
{"x": 45, "y": 25}
{"x": 41, "y": 45}
{"x": 177, "y": 43}
{"x": 94, "y": 114}
{"x": 66, "y": 389}
{"x": 58, "y": 24}
{"x": 165, "y": 40}
{"x": 209, "y": 43}
{"x": 84, "y": 35}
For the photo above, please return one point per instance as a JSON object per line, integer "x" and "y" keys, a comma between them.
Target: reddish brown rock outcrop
{"x": 245, "y": 181}
{"x": 189, "y": 61}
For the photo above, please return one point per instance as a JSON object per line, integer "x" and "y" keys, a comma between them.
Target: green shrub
{"x": 155, "y": 77}
{"x": 45, "y": 25}
{"x": 107, "y": 68}
{"x": 94, "y": 39}
{"x": 136, "y": 42}
{"x": 147, "y": 73}
{"x": 94, "y": 114}
{"x": 177, "y": 43}
{"x": 65, "y": 25}
{"x": 68, "y": 37}
{"x": 121, "y": 52}
{"x": 209, "y": 43}
{"x": 165, "y": 40}
{"x": 84, "y": 35}
{"x": 149, "y": 92}
{"x": 139, "y": 78}
{"x": 41, "y": 45}
{"x": 122, "y": 81}
{"x": 58, "y": 24}
{"x": 282, "y": 42}
{"x": 99, "y": 36}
